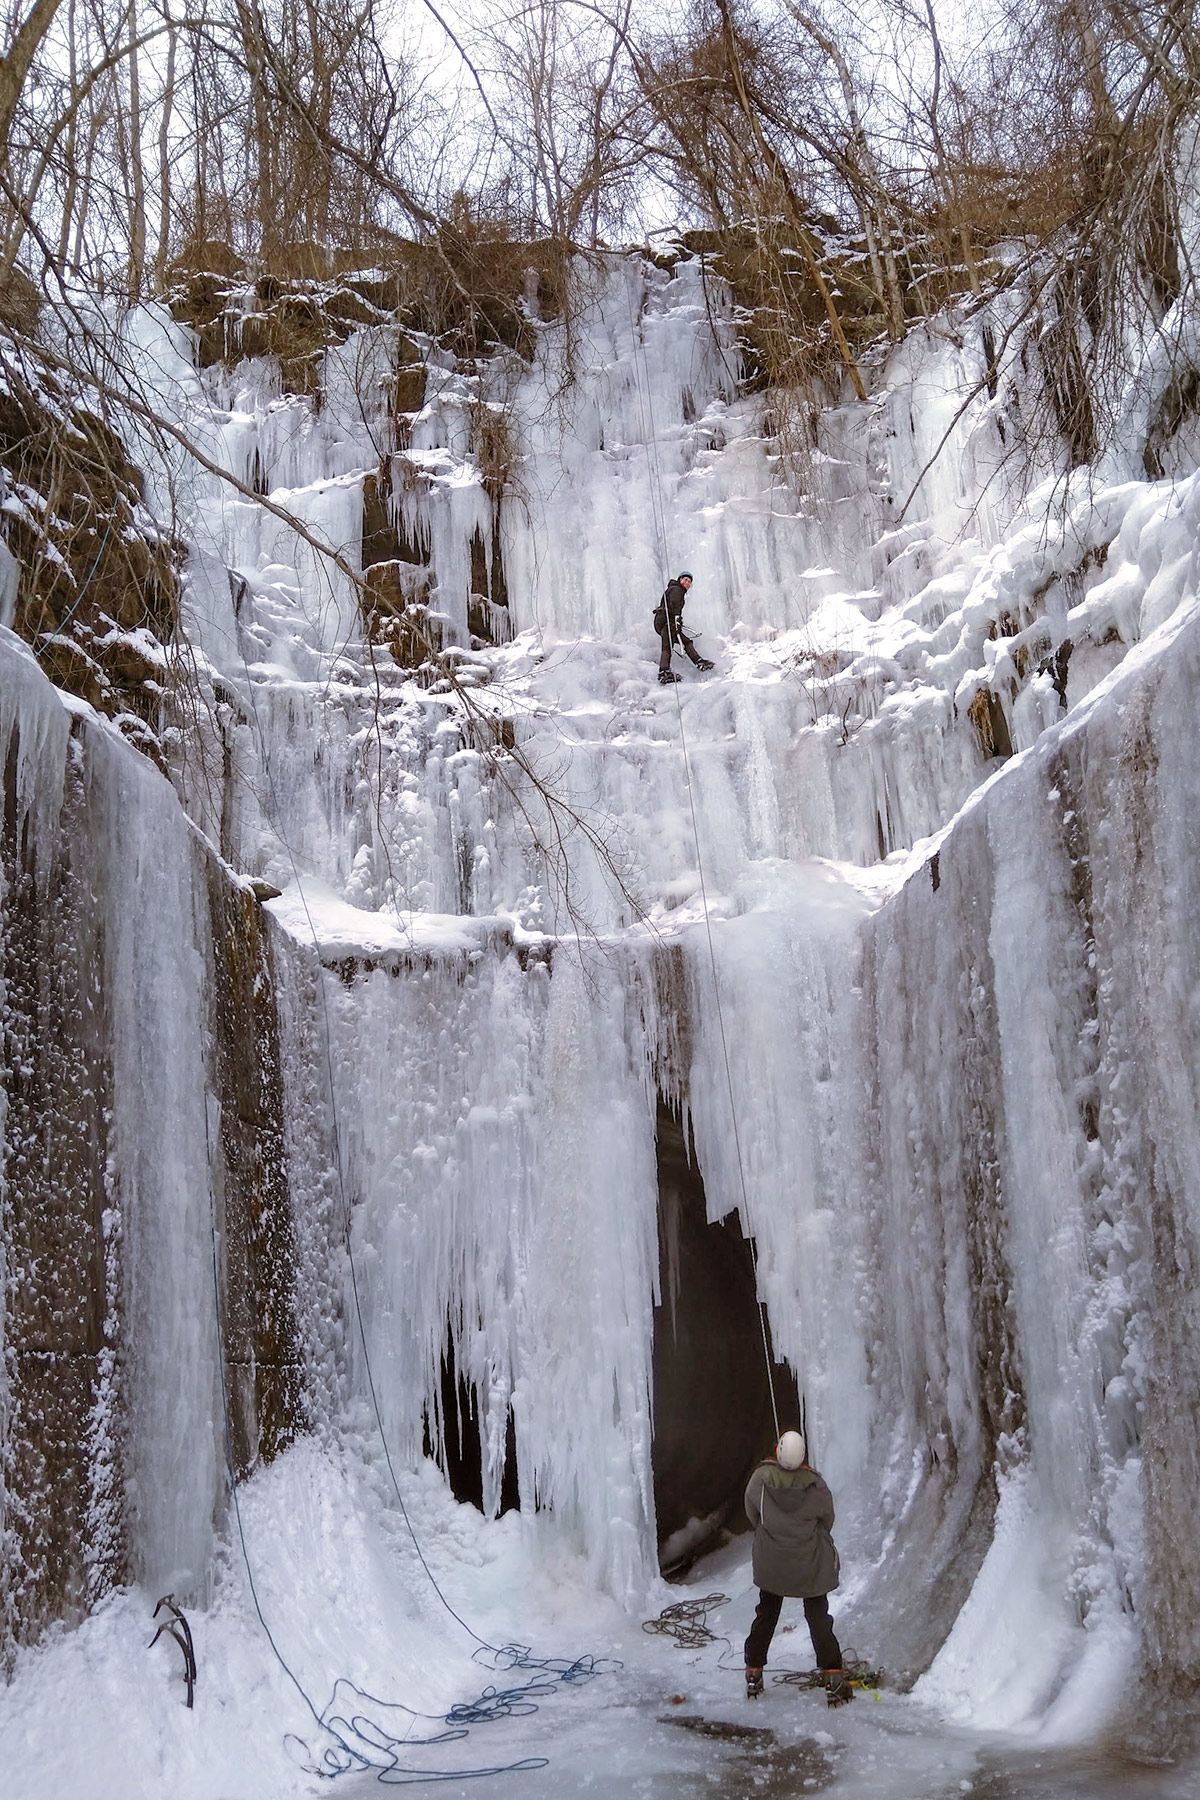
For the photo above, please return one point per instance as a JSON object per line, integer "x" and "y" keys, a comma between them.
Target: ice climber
{"x": 668, "y": 622}
{"x": 791, "y": 1510}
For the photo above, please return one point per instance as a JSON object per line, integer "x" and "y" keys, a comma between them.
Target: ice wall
{"x": 636, "y": 440}
{"x": 496, "y": 1214}
{"x": 628, "y": 455}
{"x": 922, "y": 1114}
{"x": 1049, "y": 1180}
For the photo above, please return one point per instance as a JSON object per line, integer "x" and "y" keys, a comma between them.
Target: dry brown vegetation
{"x": 282, "y": 174}
{"x": 874, "y": 169}
{"x": 95, "y": 569}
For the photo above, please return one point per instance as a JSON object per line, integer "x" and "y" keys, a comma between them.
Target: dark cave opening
{"x": 712, "y": 1401}
{"x": 460, "y": 1455}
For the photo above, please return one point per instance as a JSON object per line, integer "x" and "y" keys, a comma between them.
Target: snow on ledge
{"x": 311, "y": 912}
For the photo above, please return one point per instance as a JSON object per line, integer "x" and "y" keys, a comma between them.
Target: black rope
{"x": 349, "y": 1729}
{"x": 347, "y": 1214}
{"x": 858, "y": 1672}
{"x": 82, "y": 590}
{"x": 686, "y": 1622}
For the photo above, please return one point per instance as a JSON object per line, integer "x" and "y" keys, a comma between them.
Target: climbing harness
{"x": 177, "y": 1627}
{"x": 656, "y": 506}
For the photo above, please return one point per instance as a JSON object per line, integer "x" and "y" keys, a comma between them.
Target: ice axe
{"x": 177, "y": 1627}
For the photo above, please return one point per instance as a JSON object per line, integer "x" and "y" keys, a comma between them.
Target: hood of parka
{"x": 788, "y": 1486}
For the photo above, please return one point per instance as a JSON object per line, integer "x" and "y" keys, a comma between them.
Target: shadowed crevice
{"x": 712, "y": 1402}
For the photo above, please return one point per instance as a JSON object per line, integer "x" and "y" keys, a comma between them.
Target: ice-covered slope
{"x": 957, "y": 992}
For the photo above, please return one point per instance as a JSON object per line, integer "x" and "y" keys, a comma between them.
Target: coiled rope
{"x": 858, "y": 1672}
{"x": 686, "y": 1622}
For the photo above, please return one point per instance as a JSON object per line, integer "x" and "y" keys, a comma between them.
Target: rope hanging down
{"x": 649, "y": 432}
{"x": 360, "y": 1743}
{"x": 86, "y": 583}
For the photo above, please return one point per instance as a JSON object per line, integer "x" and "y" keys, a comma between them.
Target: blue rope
{"x": 87, "y": 582}
{"x": 345, "y": 1757}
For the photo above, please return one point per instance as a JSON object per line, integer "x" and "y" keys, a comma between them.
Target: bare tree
{"x": 19, "y": 56}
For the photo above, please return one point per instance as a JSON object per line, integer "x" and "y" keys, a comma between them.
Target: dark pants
{"x": 675, "y": 641}
{"x": 826, "y": 1648}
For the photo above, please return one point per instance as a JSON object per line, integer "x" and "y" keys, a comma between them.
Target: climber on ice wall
{"x": 668, "y": 622}
{"x": 791, "y": 1510}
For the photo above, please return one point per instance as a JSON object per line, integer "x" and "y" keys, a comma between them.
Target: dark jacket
{"x": 670, "y": 610}
{"x": 791, "y": 1511}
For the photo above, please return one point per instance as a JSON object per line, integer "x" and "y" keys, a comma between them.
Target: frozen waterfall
{"x": 388, "y": 1146}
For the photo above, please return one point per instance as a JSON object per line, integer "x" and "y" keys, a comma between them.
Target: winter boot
{"x": 703, "y": 664}
{"x": 754, "y": 1683}
{"x": 837, "y": 1687}
{"x": 667, "y": 677}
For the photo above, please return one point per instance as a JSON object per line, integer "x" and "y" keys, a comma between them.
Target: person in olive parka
{"x": 791, "y": 1510}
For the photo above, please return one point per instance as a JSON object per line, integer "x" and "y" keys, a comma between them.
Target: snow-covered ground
{"x": 961, "y": 996}
{"x": 354, "y": 1616}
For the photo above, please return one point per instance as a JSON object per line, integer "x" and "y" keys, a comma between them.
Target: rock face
{"x": 97, "y": 592}
{"x": 1043, "y": 1181}
{"x": 64, "y": 1542}
{"x": 140, "y": 1074}
{"x": 262, "y": 1354}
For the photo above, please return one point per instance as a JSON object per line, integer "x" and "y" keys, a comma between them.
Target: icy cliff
{"x": 391, "y": 1145}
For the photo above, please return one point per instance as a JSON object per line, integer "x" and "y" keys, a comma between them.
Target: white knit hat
{"x": 791, "y": 1450}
